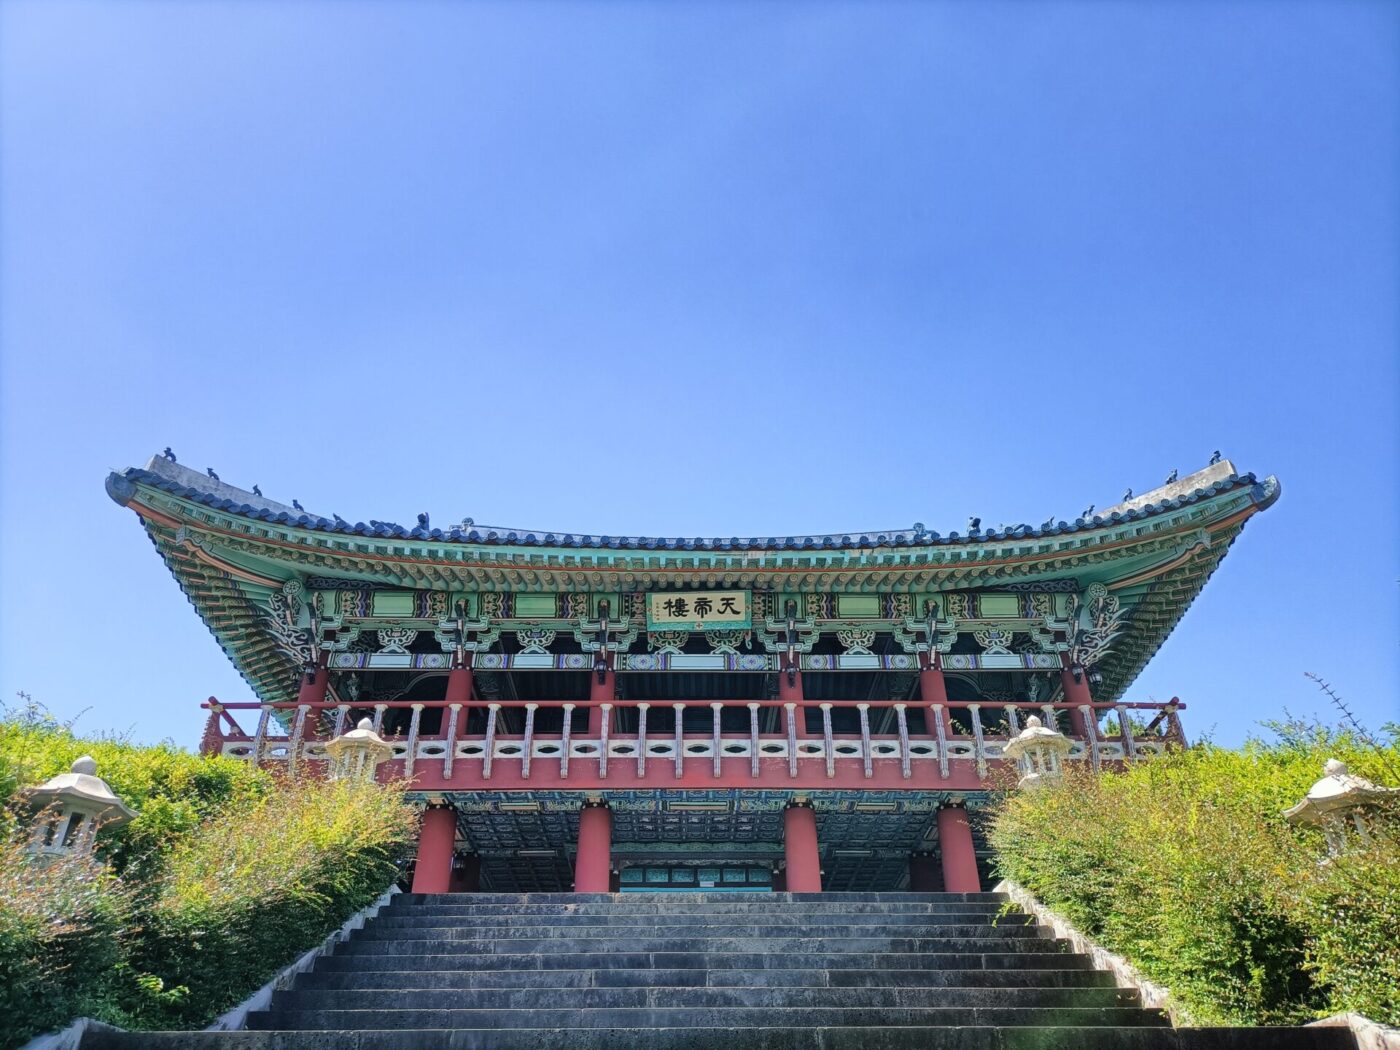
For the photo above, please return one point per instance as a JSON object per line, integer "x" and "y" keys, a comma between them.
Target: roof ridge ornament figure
{"x": 1088, "y": 511}
{"x": 256, "y": 491}
{"x": 1171, "y": 478}
{"x": 210, "y": 472}
{"x": 1127, "y": 495}
{"x": 168, "y": 454}
{"x": 1215, "y": 457}
{"x": 297, "y": 505}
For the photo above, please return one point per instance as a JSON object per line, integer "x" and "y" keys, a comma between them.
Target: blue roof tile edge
{"x": 121, "y": 487}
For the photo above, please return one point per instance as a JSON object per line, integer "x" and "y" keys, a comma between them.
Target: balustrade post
{"x": 411, "y": 756}
{"x": 753, "y": 740}
{"x": 379, "y": 710}
{"x": 489, "y": 750}
{"x": 679, "y": 739}
{"x": 715, "y": 709}
{"x": 791, "y": 710}
{"x": 450, "y": 755}
{"x": 642, "y": 740}
{"x": 294, "y": 745}
{"x": 979, "y": 750}
{"x": 828, "y": 741}
{"x": 566, "y": 742}
{"x": 1091, "y": 735}
{"x": 1013, "y": 720}
{"x": 528, "y": 753}
{"x": 260, "y": 737}
{"x": 1125, "y": 733}
{"x": 342, "y": 711}
{"x": 903, "y": 721}
{"x": 940, "y": 734}
{"x": 867, "y": 760}
{"x": 604, "y": 727}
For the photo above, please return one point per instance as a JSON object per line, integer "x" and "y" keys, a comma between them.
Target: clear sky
{"x": 701, "y": 269}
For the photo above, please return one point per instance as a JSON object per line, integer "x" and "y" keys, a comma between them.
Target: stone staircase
{"x": 726, "y": 971}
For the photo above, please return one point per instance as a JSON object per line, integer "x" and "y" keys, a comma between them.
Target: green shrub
{"x": 256, "y": 888}
{"x": 171, "y": 790}
{"x": 224, "y": 877}
{"x": 1186, "y": 866}
{"x": 61, "y": 939}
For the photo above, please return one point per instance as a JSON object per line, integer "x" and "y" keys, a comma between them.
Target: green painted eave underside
{"x": 232, "y": 605}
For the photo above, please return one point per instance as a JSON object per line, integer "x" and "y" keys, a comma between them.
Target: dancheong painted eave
{"x": 230, "y": 550}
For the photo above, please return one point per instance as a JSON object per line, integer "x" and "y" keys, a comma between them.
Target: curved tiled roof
{"x": 230, "y": 549}
{"x": 175, "y": 479}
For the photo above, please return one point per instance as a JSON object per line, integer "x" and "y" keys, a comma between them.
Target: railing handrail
{"x": 323, "y": 705}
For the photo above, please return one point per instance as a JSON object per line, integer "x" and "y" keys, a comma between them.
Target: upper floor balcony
{"x": 632, "y": 743}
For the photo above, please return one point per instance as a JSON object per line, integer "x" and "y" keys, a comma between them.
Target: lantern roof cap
{"x": 362, "y": 737}
{"x": 1036, "y": 734}
{"x": 83, "y": 789}
{"x": 1339, "y": 789}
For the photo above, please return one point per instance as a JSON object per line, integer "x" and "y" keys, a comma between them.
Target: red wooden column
{"x": 593, "y": 864}
{"x": 604, "y": 692}
{"x": 459, "y": 683}
{"x": 790, "y": 692}
{"x": 1076, "y": 693}
{"x": 436, "y": 835}
{"x": 313, "y": 691}
{"x": 933, "y": 689}
{"x": 804, "y": 862}
{"x": 923, "y": 873}
{"x": 959, "y": 856}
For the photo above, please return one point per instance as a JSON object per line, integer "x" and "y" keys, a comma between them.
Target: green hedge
{"x": 1185, "y": 865}
{"x": 225, "y": 877}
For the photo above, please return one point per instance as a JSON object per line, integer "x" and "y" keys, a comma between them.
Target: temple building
{"x": 823, "y": 712}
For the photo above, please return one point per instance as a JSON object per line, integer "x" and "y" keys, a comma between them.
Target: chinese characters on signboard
{"x": 697, "y": 610}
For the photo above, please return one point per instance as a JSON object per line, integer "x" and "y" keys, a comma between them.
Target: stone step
{"x": 710, "y": 960}
{"x": 441, "y": 917}
{"x": 401, "y": 980}
{"x": 883, "y": 1037}
{"x": 689, "y": 899}
{"x": 705, "y": 1017}
{"x": 377, "y": 931}
{"x": 469, "y": 945}
{"x": 658, "y": 905}
{"x": 670, "y": 998}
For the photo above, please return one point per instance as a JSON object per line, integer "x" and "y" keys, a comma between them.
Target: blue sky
{"x": 701, "y": 269}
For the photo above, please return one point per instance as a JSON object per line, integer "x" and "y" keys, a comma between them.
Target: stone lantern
{"x": 356, "y": 755}
{"x": 71, "y": 808}
{"x": 1336, "y": 804}
{"x": 1040, "y": 753}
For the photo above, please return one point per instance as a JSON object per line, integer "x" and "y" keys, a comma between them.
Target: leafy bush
{"x": 1186, "y": 866}
{"x": 224, "y": 877}
{"x": 256, "y": 888}
{"x": 172, "y": 790}
{"x": 60, "y": 940}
